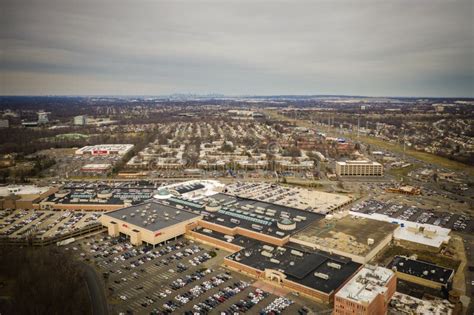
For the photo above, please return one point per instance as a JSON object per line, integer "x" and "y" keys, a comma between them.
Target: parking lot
{"x": 43, "y": 224}
{"x": 296, "y": 197}
{"x": 456, "y": 222}
{"x": 181, "y": 276}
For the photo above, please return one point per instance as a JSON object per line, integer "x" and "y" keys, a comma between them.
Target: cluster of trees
{"x": 41, "y": 281}
{"x": 20, "y": 175}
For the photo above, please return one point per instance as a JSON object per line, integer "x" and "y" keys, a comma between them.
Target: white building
{"x": 359, "y": 168}
{"x": 105, "y": 149}
{"x": 368, "y": 292}
{"x": 80, "y": 120}
{"x": 43, "y": 117}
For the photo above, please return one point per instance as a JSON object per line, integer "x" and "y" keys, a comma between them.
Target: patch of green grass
{"x": 431, "y": 257}
{"x": 403, "y": 172}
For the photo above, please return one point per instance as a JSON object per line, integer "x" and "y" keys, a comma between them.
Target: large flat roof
{"x": 422, "y": 269}
{"x": 22, "y": 190}
{"x": 152, "y": 215}
{"x": 349, "y": 234}
{"x": 358, "y": 162}
{"x": 87, "y": 193}
{"x": 302, "y": 269}
{"x": 369, "y": 282}
{"x": 246, "y": 213}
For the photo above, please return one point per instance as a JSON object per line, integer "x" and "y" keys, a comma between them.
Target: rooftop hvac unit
{"x": 334, "y": 265}
{"x": 321, "y": 275}
{"x": 370, "y": 241}
{"x": 296, "y": 253}
{"x": 425, "y": 272}
{"x": 281, "y": 249}
{"x": 266, "y": 254}
{"x": 178, "y": 212}
{"x": 275, "y": 261}
{"x": 166, "y": 214}
{"x": 268, "y": 248}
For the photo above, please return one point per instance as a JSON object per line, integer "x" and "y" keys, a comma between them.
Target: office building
{"x": 80, "y": 120}
{"x": 359, "y": 168}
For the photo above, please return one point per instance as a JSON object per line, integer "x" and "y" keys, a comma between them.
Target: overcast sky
{"x": 360, "y": 47}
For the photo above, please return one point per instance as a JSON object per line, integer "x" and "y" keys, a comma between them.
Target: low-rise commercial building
{"x": 314, "y": 274}
{"x": 105, "y": 149}
{"x": 151, "y": 222}
{"x": 422, "y": 272}
{"x": 368, "y": 292}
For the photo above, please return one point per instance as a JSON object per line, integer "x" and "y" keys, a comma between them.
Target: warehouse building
{"x": 359, "y": 168}
{"x": 368, "y": 292}
{"x": 151, "y": 222}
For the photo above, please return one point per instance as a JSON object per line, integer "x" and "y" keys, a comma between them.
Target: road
{"x": 96, "y": 292}
{"x": 469, "y": 248}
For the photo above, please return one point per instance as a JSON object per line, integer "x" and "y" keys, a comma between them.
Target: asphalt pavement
{"x": 96, "y": 292}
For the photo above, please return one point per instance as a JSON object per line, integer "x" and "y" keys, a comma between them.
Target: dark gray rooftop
{"x": 156, "y": 215}
{"x": 235, "y": 212}
{"x": 301, "y": 269}
{"x": 422, "y": 269}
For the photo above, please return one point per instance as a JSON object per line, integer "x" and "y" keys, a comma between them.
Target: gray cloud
{"x": 395, "y": 47}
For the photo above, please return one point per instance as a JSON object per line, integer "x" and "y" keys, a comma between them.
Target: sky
{"x": 237, "y": 47}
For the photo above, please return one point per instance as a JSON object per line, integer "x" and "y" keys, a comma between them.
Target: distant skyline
{"x": 399, "y": 48}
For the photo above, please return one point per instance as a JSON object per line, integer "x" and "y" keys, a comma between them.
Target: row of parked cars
{"x": 19, "y": 225}
{"x": 182, "y": 282}
{"x": 195, "y": 292}
{"x": 220, "y": 297}
{"x": 461, "y": 223}
{"x": 277, "y": 306}
{"x": 242, "y": 306}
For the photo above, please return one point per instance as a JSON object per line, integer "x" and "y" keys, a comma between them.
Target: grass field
{"x": 435, "y": 258}
{"x": 403, "y": 172}
{"x": 422, "y": 156}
